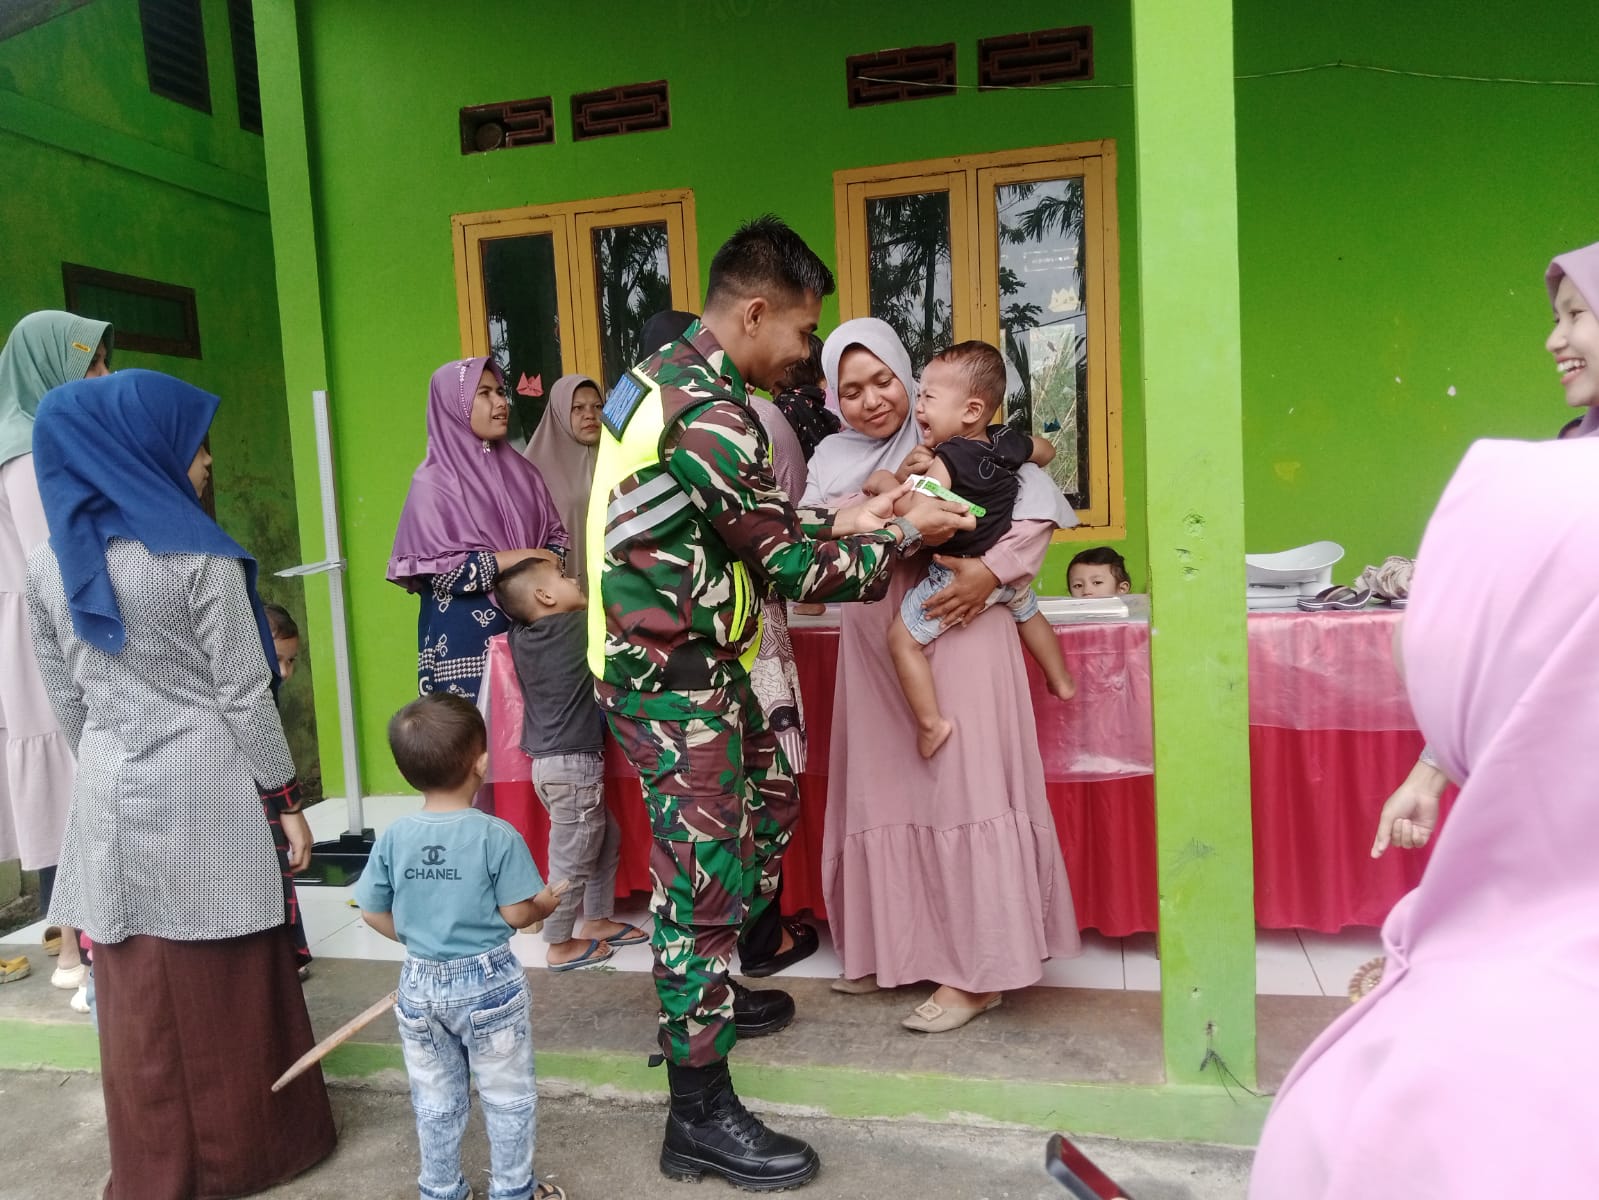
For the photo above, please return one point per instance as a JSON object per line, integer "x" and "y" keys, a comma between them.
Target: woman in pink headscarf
{"x": 1469, "y": 1071}
{"x": 1411, "y": 813}
{"x": 475, "y": 507}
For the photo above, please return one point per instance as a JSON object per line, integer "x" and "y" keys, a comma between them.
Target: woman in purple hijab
{"x": 475, "y": 507}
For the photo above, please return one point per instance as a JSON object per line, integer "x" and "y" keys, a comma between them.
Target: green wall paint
{"x": 1393, "y": 237}
{"x": 142, "y": 216}
{"x": 1389, "y": 227}
{"x": 764, "y": 129}
{"x": 90, "y": 63}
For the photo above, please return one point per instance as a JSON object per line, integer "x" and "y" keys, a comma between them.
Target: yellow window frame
{"x": 970, "y": 180}
{"x": 570, "y": 226}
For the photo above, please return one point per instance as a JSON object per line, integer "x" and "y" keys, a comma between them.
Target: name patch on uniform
{"x": 622, "y": 403}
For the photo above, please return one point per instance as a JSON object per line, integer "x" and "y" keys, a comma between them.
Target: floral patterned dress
{"x": 458, "y": 619}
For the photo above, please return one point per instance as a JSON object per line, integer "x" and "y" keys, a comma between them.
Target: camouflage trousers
{"x": 722, "y": 801}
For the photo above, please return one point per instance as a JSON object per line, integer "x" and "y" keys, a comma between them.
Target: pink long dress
{"x": 945, "y": 869}
{"x": 1469, "y": 1071}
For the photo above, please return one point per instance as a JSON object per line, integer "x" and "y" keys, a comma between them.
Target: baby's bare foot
{"x": 930, "y": 740}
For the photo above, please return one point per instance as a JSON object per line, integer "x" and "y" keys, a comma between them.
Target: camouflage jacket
{"x": 693, "y": 540}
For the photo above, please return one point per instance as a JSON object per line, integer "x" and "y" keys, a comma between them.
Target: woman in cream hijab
{"x": 563, "y": 448}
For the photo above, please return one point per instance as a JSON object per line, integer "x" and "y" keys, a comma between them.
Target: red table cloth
{"x": 1330, "y": 736}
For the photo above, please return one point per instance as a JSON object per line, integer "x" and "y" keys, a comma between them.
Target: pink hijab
{"x": 468, "y": 494}
{"x": 566, "y": 465}
{"x": 1469, "y": 1070}
{"x": 1583, "y": 268}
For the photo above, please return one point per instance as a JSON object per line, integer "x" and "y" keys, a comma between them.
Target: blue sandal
{"x": 635, "y": 936}
{"x": 595, "y": 953}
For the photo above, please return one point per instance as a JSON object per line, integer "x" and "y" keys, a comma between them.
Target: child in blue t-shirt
{"x": 453, "y": 884}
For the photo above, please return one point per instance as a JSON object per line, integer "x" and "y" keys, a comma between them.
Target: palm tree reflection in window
{"x": 632, "y": 279}
{"x": 908, "y": 265}
{"x": 524, "y": 323}
{"x": 1043, "y": 322}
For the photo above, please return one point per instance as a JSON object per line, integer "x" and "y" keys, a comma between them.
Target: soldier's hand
{"x": 871, "y": 514}
{"x": 938, "y": 520}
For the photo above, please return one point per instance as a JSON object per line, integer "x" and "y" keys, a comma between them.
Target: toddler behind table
{"x": 563, "y": 732}
{"x": 961, "y": 390}
{"x": 452, "y": 883}
{"x": 1098, "y": 571}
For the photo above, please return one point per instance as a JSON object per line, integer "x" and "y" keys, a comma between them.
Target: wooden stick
{"x": 335, "y": 1039}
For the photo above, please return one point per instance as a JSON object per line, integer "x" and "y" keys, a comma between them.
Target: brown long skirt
{"x": 192, "y": 1034}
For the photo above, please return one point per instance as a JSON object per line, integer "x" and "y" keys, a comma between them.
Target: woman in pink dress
{"x": 1469, "y": 1071}
{"x": 948, "y": 872}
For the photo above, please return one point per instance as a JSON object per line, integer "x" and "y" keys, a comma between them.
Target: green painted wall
{"x": 763, "y": 129}
{"x": 73, "y": 102}
{"x": 1391, "y": 228}
{"x": 1393, "y": 237}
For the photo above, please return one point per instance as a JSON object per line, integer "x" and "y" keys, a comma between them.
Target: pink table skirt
{"x": 1330, "y": 736}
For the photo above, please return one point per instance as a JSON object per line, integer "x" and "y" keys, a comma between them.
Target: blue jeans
{"x": 459, "y": 1013}
{"x": 1022, "y": 603}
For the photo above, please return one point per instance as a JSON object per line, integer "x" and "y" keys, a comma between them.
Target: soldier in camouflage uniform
{"x": 693, "y": 530}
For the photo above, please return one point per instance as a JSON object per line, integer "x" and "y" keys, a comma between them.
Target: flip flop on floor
{"x": 13, "y": 969}
{"x": 634, "y": 936}
{"x": 596, "y": 952}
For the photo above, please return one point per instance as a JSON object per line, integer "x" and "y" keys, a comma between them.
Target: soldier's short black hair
{"x": 436, "y": 739}
{"x": 765, "y": 256}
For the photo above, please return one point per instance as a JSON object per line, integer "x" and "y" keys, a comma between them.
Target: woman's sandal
{"x": 595, "y": 953}
{"x": 933, "y": 1017}
{"x": 1365, "y": 979}
{"x": 548, "y": 1191}
{"x": 855, "y": 987}
{"x": 13, "y": 969}
{"x": 52, "y": 940}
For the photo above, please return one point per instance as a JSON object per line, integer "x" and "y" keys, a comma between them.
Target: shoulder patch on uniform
{"x": 623, "y": 402}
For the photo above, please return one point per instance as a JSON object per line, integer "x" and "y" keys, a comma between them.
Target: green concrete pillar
{"x": 305, "y": 370}
{"x": 1188, "y": 276}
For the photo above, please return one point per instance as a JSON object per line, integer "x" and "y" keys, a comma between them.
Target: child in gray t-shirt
{"x": 563, "y": 731}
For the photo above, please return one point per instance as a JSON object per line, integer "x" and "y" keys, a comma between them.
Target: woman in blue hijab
{"x": 159, "y": 663}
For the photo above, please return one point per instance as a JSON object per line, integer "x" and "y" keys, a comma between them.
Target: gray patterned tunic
{"x": 167, "y": 835}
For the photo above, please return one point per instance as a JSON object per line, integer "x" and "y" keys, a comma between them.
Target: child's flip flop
{"x": 633, "y": 937}
{"x": 595, "y": 953}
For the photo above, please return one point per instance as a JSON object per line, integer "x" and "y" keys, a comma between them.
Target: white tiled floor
{"x": 1288, "y": 963}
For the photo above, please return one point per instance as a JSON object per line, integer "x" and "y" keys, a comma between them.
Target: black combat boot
{"x": 756, "y": 1014}
{"x": 709, "y": 1130}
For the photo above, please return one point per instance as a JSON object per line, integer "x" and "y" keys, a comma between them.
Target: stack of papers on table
{"x": 1069, "y": 608}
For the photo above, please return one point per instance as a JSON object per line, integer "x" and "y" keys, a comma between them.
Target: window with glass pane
{"x": 633, "y": 282}
{"x": 1018, "y": 248}
{"x": 524, "y": 324}
{"x": 908, "y": 270}
{"x": 1043, "y": 321}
